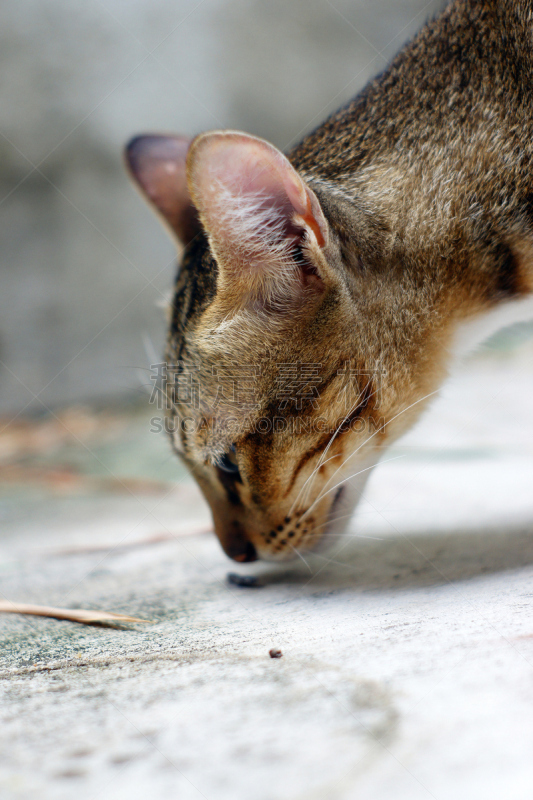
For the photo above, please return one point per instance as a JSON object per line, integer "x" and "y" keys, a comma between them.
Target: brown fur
{"x": 424, "y": 181}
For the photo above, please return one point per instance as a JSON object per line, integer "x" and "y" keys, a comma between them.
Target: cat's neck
{"x": 425, "y": 177}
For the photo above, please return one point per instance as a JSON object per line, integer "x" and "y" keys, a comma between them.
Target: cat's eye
{"x": 228, "y": 462}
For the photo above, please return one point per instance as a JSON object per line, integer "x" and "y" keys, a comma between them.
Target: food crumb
{"x": 249, "y": 581}
{"x": 275, "y": 653}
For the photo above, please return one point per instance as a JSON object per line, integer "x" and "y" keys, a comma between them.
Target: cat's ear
{"x": 158, "y": 166}
{"x": 262, "y": 219}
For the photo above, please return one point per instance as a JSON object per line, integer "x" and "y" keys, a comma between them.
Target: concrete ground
{"x": 407, "y": 667}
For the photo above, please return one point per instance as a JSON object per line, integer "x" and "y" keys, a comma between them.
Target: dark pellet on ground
{"x": 249, "y": 581}
{"x": 275, "y": 653}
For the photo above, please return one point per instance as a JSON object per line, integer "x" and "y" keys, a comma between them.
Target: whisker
{"x": 346, "y": 534}
{"x": 356, "y": 536}
{"x": 344, "y": 480}
{"x": 331, "y": 520}
{"x": 149, "y": 348}
{"x": 333, "y": 437}
{"x": 313, "y": 473}
{"x": 321, "y": 461}
{"x": 330, "y": 560}
{"x": 420, "y": 400}
{"x": 303, "y": 559}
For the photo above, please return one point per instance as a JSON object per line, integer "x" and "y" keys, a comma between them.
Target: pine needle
{"x": 82, "y": 615}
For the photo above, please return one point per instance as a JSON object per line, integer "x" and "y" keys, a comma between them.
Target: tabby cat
{"x": 323, "y": 294}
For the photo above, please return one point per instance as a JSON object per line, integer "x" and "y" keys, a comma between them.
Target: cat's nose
{"x": 242, "y": 551}
{"x": 236, "y": 544}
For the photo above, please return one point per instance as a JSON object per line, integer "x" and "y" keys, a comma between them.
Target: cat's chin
{"x": 340, "y": 515}
{"x": 343, "y": 508}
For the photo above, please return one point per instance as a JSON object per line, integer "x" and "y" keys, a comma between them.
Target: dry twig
{"x": 82, "y": 615}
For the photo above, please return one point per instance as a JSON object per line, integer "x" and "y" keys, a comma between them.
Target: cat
{"x": 322, "y": 295}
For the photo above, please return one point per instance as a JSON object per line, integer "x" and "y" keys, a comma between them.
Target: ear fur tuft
{"x": 259, "y": 215}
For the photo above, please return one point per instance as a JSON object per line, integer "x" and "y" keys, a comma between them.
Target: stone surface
{"x": 407, "y": 668}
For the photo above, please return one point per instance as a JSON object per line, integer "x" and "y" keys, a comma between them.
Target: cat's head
{"x": 278, "y": 401}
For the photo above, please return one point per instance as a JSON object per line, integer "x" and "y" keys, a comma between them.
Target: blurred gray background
{"x": 85, "y": 265}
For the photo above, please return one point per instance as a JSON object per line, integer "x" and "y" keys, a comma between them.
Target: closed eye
{"x": 228, "y": 463}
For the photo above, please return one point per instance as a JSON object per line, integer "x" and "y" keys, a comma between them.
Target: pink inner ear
{"x": 158, "y": 165}
{"x": 242, "y": 168}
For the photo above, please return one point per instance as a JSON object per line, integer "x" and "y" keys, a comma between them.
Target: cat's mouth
{"x": 286, "y": 544}
{"x": 275, "y": 538}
